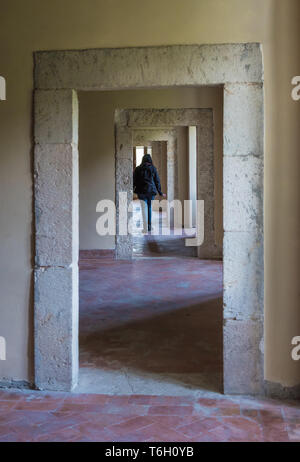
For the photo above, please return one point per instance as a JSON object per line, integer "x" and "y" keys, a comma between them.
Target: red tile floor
{"x": 151, "y": 325}
{"x": 38, "y": 416}
{"x": 150, "y": 362}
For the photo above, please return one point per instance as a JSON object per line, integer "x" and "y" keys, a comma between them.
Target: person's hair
{"x": 147, "y": 159}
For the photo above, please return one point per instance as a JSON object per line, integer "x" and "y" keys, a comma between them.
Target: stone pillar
{"x": 157, "y": 160}
{"x": 205, "y": 186}
{"x": 57, "y": 243}
{"x": 124, "y": 184}
{"x": 134, "y": 157}
{"x": 164, "y": 167}
{"x": 156, "y": 155}
{"x": 172, "y": 176}
{"x": 243, "y": 238}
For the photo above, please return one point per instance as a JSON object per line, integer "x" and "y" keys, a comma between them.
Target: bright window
{"x": 140, "y": 151}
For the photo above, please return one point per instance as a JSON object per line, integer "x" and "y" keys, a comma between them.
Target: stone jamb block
{"x": 62, "y": 73}
{"x": 243, "y": 102}
{"x": 56, "y": 204}
{"x": 243, "y": 193}
{"x": 60, "y": 125}
{"x": 243, "y": 358}
{"x": 243, "y": 275}
{"x": 56, "y": 328}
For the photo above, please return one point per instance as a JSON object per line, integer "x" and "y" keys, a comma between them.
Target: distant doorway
{"x": 144, "y": 127}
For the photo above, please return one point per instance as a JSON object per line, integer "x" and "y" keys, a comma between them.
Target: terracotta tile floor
{"x": 156, "y": 244}
{"x": 150, "y": 326}
{"x": 151, "y": 347}
{"x": 40, "y": 416}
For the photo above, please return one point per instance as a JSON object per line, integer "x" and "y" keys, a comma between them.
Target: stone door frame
{"x": 133, "y": 126}
{"x": 58, "y": 75}
{"x": 154, "y": 138}
{"x": 144, "y": 137}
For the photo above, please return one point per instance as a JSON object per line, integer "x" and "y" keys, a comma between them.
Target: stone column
{"x": 56, "y": 227}
{"x": 243, "y": 238}
{"x": 134, "y": 157}
{"x": 124, "y": 185}
{"x": 172, "y": 177}
{"x": 156, "y": 158}
{"x": 205, "y": 186}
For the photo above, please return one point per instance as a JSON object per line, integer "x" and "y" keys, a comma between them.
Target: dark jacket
{"x": 146, "y": 180}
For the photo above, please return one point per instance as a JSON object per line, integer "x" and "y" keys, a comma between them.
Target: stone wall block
{"x": 56, "y": 328}
{"x": 243, "y": 120}
{"x": 243, "y": 358}
{"x": 167, "y": 117}
{"x": 124, "y": 143}
{"x": 243, "y": 193}
{"x": 124, "y": 247}
{"x": 243, "y": 275}
{"x": 56, "y": 116}
{"x": 124, "y": 175}
{"x": 56, "y": 204}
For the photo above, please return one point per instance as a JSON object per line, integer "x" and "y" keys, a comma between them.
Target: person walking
{"x": 146, "y": 184}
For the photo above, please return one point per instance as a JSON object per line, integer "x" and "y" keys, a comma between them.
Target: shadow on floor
{"x": 150, "y": 326}
{"x": 162, "y": 246}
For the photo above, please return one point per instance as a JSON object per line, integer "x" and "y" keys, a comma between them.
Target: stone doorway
{"x": 58, "y": 75}
{"x": 137, "y": 126}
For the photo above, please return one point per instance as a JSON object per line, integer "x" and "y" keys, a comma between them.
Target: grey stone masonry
{"x": 243, "y": 251}
{"x": 166, "y": 66}
{"x": 56, "y": 332}
{"x": 123, "y": 185}
{"x": 205, "y": 185}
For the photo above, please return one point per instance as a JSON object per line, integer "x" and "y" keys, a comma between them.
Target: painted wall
{"x": 74, "y": 24}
